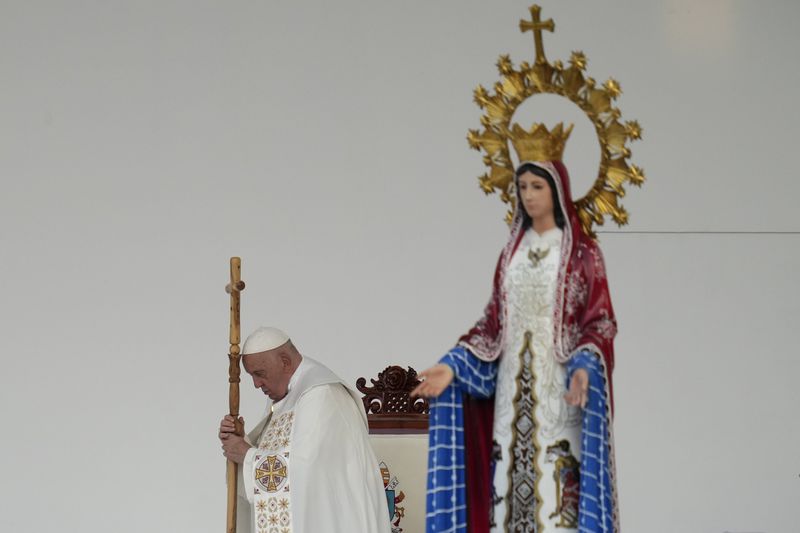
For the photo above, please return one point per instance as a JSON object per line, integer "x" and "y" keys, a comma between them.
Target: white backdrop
{"x": 143, "y": 143}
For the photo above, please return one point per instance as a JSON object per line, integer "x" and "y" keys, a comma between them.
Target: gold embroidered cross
{"x": 536, "y": 26}
{"x": 273, "y": 470}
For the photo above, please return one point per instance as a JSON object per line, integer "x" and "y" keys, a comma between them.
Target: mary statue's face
{"x": 536, "y": 196}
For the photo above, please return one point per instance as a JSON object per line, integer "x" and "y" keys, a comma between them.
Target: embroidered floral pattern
{"x": 598, "y": 263}
{"x": 573, "y": 336}
{"x": 278, "y": 433}
{"x": 576, "y": 292}
{"x": 606, "y": 328}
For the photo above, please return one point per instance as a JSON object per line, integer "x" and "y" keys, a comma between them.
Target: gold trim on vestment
{"x": 537, "y": 499}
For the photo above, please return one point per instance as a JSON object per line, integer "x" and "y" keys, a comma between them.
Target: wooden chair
{"x": 398, "y": 427}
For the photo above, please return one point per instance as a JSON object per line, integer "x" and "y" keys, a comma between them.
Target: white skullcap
{"x": 264, "y": 339}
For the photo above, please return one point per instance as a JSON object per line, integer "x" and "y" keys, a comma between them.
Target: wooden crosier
{"x": 234, "y": 288}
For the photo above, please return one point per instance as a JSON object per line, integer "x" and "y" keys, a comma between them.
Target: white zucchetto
{"x": 264, "y": 339}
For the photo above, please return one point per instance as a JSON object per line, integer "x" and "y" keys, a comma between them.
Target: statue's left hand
{"x": 578, "y": 392}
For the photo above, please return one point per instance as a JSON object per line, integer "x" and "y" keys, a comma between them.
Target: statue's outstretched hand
{"x": 436, "y": 379}
{"x": 578, "y": 388}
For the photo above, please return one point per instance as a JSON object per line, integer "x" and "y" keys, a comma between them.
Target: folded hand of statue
{"x": 436, "y": 379}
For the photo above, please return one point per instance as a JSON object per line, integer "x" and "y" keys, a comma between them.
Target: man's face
{"x": 270, "y": 372}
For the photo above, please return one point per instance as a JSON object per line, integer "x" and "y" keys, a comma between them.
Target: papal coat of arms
{"x": 394, "y": 497}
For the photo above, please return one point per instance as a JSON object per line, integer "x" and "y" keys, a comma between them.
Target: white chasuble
{"x": 536, "y": 434}
{"x": 313, "y": 468}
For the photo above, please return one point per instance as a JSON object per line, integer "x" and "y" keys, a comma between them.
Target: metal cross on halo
{"x": 536, "y": 26}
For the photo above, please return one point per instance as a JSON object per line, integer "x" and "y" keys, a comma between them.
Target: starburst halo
{"x": 596, "y": 101}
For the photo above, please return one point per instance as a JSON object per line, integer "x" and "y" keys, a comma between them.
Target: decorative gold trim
{"x": 537, "y": 497}
{"x": 516, "y": 86}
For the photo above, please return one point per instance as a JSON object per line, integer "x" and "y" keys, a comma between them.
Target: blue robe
{"x": 447, "y": 470}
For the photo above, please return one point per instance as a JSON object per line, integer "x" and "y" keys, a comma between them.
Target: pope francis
{"x": 308, "y": 466}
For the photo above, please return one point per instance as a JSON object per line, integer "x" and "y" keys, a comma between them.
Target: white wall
{"x": 143, "y": 143}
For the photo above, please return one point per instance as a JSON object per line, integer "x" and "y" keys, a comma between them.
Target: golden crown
{"x": 540, "y": 144}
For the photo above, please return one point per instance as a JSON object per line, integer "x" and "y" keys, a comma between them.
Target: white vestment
{"x": 312, "y": 468}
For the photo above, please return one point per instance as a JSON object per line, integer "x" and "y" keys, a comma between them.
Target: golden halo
{"x": 517, "y": 85}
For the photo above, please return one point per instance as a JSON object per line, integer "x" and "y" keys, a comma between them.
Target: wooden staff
{"x": 234, "y": 288}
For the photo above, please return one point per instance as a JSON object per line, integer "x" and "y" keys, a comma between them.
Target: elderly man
{"x": 308, "y": 466}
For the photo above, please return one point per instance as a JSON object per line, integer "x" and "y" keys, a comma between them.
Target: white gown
{"x": 313, "y": 468}
{"x": 535, "y": 431}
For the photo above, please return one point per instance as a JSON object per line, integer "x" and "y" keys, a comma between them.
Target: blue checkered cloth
{"x": 447, "y": 495}
{"x": 596, "y": 507}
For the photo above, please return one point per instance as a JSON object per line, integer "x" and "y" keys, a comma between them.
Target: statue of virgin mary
{"x": 521, "y": 413}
